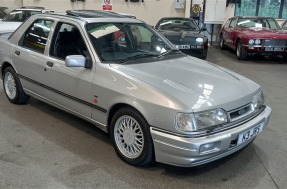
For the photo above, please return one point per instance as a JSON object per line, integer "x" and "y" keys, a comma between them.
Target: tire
{"x": 221, "y": 43}
{"x": 13, "y": 88}
{"x": 131, "y": 137}
{"x": 241, "y": 53}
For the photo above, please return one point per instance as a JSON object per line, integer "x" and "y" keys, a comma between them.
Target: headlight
{"x": 251, "y": 41}
{"x": 189, "y": 122}
{"x": 199, "y": 40}
{"x": 258, "y": 101}
{"x": 257, "y": 41}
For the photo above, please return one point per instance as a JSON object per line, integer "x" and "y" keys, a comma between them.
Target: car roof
{"x": 32, "y": 8}
{"x": 176, "y": 18}
{"x": 256, "y": 17}
{"x": 91, "y": 16}
{"x": 3, "y": 8}
{"x": 96, "y": 14}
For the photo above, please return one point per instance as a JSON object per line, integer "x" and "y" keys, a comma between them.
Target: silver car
{"x": 17, "y": 16}
{"x": 118, "y": 73}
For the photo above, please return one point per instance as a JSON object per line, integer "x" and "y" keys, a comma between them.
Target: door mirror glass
{"x": 75, "y": 61}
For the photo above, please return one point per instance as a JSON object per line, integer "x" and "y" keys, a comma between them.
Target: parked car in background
{"x": 15, "y": 18}
{"x": 253, "y": 36}
{"x": 3, "y": 12}
{"x": 185, "y": 34}
{"x": 156, "y": 102}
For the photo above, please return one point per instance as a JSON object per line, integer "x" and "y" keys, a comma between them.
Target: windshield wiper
{"x": 142, "y": 55}
{"x": 169, "y": 52}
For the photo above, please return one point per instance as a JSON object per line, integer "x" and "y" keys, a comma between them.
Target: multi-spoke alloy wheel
{"x": 131, "y": 137}
{"x": 13, "y": 88}
{"x": 10, "y": 85}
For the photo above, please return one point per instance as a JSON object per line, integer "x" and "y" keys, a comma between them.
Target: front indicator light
{"x": 213, "y": 146}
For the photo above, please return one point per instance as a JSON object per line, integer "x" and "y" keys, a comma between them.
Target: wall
{"x": 11, "y": 4}
{"x": 149, "y": 11}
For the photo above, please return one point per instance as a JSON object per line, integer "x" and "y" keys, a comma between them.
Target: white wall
{"x": 149, "y": 11}
{"x": 11, "y": 4}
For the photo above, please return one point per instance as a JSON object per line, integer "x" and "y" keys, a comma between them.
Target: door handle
{"x": 50, "y": 64}
{"x": 17, "y": 53}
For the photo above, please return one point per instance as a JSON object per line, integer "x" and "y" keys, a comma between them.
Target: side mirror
{"x": 75, "y": 61}
{"x": 203, "y": 29}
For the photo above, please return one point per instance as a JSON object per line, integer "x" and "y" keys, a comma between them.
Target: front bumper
{"x": 185, "y": 152}
{"x": 265, "y": 50}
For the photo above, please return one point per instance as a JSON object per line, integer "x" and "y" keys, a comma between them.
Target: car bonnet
{"x": 196, "y": 83}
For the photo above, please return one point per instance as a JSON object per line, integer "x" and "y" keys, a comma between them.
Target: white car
{"x": 16, "y": 17}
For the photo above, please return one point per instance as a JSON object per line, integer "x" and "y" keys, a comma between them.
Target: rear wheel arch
{"x": 4, "y": 66}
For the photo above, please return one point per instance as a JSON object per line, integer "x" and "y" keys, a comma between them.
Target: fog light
{"x": 209, "y": 146}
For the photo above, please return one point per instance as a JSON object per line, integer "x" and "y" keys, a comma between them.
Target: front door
{"x": 70, "y": 87}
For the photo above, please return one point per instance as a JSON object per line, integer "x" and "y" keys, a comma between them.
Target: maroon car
{"x": 253, "y": 35}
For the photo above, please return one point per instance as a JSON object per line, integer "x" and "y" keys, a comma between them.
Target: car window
{"x": 2, "y": 14}
{"x": 284, "y": 26}
{"x": 178, "y": 24}
{"x": 35, "y": 38}
{"x": 227, "y": 23}
{"x": 121, "y": 41}
{"x": 67, "y": 40}
{"x": 233, "y": 23}
{"x": 19, "y": 15}
{"x": 257, "y": 23}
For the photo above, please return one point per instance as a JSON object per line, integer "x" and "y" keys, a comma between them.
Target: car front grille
{"x": 240, "y": 112}
{"x": 274, "y": 43}
{"x": 181, "y": 41}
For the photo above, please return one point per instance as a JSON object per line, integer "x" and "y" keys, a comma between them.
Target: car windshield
{"x": 19, "y": 15}
{"x": 121, "y": 42}
{"x": 178, "y": 24}
{"x": 257, "y": 23}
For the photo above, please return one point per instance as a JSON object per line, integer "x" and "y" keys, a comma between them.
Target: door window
{"x": 67, "y": 40}
{"x": 35, "y": 38}
{"x": 233, "y": 23}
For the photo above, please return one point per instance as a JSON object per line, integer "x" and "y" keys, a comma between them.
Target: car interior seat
{"x": 66, "y": 45}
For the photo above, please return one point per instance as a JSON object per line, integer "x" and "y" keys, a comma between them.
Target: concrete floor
{"x": 43, "y": 147}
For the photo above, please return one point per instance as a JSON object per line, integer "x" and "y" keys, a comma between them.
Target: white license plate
{"x": 274, "y": 49}
{"x": 184, "y": 46}
{"x": 250, "y": 133}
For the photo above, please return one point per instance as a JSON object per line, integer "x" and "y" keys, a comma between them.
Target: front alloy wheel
{"x": 131, "y": 137}
{"x": 241, "y": 53}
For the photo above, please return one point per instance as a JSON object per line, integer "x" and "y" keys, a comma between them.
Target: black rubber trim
{"x": 64, "y": 94}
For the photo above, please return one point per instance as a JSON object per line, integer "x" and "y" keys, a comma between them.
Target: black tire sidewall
{"x": 239, "y": 45}
{"x": 147, "y": 154}
{"x": 221, "y": 43}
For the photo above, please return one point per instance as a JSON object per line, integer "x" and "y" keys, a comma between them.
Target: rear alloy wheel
{"x": 241, "y": 53}
{"x": 13, "y": 88}
{"x": 221, "y": 44}
{"x": 131, "y": 137}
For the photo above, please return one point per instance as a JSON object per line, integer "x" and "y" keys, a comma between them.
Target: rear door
{"x": 29, "y": 56}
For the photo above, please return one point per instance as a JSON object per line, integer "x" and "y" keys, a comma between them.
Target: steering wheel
{"x": 107, "y": 49}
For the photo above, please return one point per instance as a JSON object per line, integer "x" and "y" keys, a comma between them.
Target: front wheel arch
{"x": 127, "y": 120}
